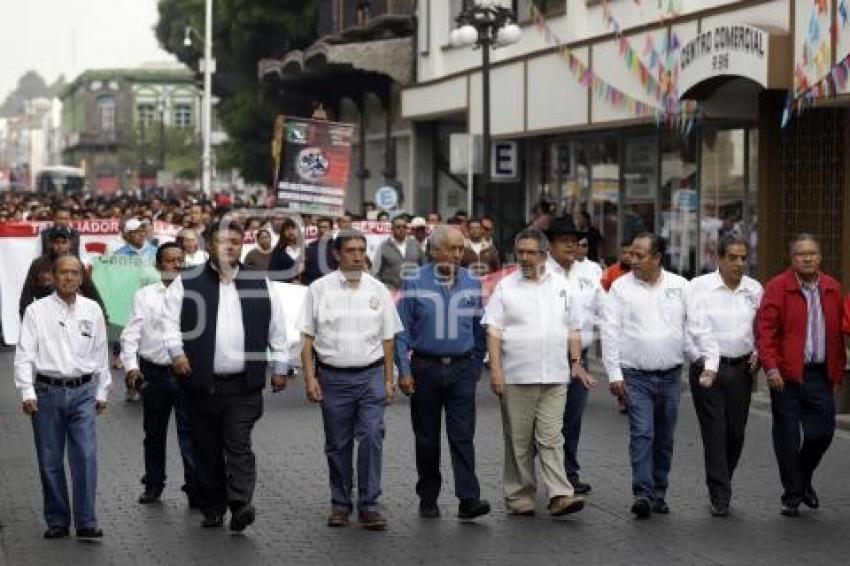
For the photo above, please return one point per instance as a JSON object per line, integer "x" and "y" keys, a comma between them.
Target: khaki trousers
{"x": 532, "y": 418}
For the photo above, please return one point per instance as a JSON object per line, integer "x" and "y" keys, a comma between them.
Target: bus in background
{"x": 61, "y": 180}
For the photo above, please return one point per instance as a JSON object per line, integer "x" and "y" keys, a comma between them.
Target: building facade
{"x": 120, "y": 126}
{"x": 672, "y": 117}
{"x": 354, "y": 73}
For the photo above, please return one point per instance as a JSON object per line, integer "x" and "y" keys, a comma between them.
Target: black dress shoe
{"x": 719, "y": 510}
{"x": 150, "y": 495}
{"x": 193, "y": 500}
{"x": 56, "y": 532}
{"x": 212, "y": 520}
{"x": 472, "y": 508}
{"x": 790, "y": 510}
{"x": 429, "y": 510}
{"x": 241, "y": 517}
{"x": 642, "y": 507}
{"x": 580, "y": 488}
{"x": 660, "y": 506}
{"x": 89, "y": 532}
{"x": 810, "y": 498}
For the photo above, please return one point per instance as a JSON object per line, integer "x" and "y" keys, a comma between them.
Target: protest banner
{"x": 315, "y": 161}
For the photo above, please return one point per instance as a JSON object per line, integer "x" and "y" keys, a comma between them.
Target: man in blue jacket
{"x": 440, "y": 309}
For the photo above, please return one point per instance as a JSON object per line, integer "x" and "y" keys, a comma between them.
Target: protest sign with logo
{"x": 314, "y": 166}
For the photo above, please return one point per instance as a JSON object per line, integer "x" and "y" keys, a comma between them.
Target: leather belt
{"x": 70, "y": 382}
{"x": 736, "y": 361}
{"x": 444, "y": 360}
{"x": 356, "y": 369}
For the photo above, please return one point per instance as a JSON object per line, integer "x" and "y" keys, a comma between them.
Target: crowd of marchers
{"x": 203, "y": 342}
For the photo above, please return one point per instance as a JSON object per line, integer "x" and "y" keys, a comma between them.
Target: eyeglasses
{"x": 582, "y": 245}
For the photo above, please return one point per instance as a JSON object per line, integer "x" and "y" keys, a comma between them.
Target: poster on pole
{"x": 314, "y": 166}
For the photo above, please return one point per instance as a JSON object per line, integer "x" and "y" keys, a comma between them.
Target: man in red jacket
{"x": 801, "y": 348}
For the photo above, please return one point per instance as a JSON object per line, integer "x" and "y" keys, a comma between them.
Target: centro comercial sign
{"x": 730, "y": 50}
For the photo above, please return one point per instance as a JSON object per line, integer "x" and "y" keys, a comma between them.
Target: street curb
{"x": 761, "y": 401}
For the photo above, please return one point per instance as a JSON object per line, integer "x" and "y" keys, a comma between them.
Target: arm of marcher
{"x": 277, "y": 334}
{"x": 25, "y": 355}
{"x": 132, "y": 334}
{"x": 101, "y": 354}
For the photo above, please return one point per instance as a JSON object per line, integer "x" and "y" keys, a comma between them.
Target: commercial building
{"x": 667, "y": 116}
{"x": 120, "y": 126}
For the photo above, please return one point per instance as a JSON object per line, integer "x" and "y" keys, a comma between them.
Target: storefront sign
{"x": 314, "y": 166}
{"x": 504, "y": 162}
{"x": 724, "y": 50}
{"x": 386, "y": 198}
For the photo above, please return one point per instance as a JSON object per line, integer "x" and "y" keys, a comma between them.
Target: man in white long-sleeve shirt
{"x": 148, "y": 366}
{"x": 643, "y": 346}
{"x": 62, "y": 374}
{"x": 221, "y": 320}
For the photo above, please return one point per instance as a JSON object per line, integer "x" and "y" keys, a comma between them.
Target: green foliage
{"x": 244, "y": 31}
{"x": 181, "y": 147}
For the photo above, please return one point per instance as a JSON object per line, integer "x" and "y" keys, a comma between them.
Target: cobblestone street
{"x": 292, "y": 500}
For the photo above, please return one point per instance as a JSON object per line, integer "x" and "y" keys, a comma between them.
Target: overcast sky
{"x": 70, "y": 36}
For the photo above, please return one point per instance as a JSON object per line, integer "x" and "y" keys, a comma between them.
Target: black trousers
{"x": 722, "y": 410}
{"x": 450, "y": 387}
{"x": 573, "y": 413}
{"x": 221, "y": 437}
{"x": 160, "y": 396}
{"x": 809, "y": 406}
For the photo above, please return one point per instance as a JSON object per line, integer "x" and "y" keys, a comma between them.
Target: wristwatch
{"x": 575, "y": 361}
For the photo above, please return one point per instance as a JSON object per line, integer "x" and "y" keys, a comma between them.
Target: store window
{"x": 679, "y": 199}
{"x": 603, "y": 203}
{"x": 640, "y": 183}
{"x": 725, "y": 190}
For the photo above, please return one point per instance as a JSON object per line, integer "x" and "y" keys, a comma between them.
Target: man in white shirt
{"x": 533, "y": 321}
{"x": 589, "y": 265}
{"x": 220, "y": 322}
{"x": 563, "y": 260}
{"x": 727, "y": 301}
{"x": 643, "y": 345}
{"x": 148, "y": 366}
{"x": 62, "y": 375}
{"x": 348, "y": 324}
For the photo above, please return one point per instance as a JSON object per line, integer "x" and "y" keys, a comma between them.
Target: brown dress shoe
{"x": 372, "y": 521}
{"x": 338, "y": 518}
{"x": 563, "y": 505}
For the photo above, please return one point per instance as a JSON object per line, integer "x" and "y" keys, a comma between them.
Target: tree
{"x": 244, "y": 31}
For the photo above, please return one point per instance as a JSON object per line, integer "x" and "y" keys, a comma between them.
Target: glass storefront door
{"x": 729, "y": 159}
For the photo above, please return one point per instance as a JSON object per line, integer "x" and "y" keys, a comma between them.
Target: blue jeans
{"x": 160, "y": 394}
{"x": 67, "y": 416}
{"x": 576, "y": 402}
{"x": 353, "y": 408}
{"x": 452, "y": 387}
{"x": 652, "y": 400}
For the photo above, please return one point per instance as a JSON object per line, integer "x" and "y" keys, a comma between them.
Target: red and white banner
{"x": 20, "y": 244}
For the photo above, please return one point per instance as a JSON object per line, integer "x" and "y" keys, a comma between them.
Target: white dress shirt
{"x": 643, "y": 326}
{"x": 196, "y": 258}
{"x": 230, "y": 352}
{"x": 535, "y": 319}
{"x": 144, "y": 334}
{"x": 587, "y": 285}
{"x": 62, "y": 341}
{"x": 349, "y": 323}
{"x": 592, "y": 268}
{"x": 729, "y": 313}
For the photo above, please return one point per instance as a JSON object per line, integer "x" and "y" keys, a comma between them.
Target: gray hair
{"x": 440, "y": 233}
{"x": 803, "y": 237}
{"x": 536, "y": 235}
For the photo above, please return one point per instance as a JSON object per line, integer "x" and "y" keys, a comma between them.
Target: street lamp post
{"x": 484, "y": 24}
{"x": 206, "y": 118}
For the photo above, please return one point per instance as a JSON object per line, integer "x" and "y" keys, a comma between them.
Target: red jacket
{"x": 781, "y": 327}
